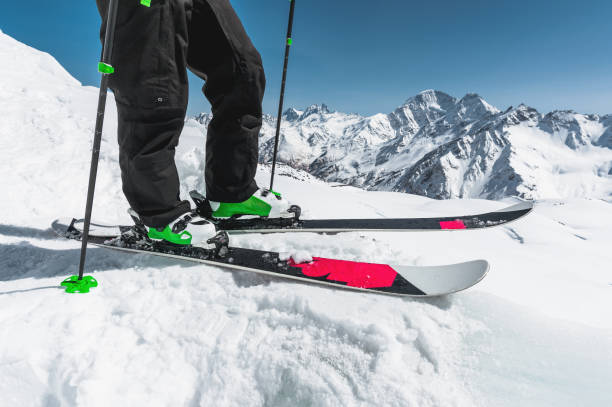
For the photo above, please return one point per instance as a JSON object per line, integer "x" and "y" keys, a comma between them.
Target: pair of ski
{"x": 416, "y": 281}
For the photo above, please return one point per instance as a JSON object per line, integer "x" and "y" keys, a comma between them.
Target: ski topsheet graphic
{"x": 417, "y": 281}
{"x": 279, "y": 225}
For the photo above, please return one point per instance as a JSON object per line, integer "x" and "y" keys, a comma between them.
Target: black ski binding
{"x": 221, "y": 242}
{"x": 135, "y": 235}
{"x": 72, "y": 232}
{"x": 202, "y": 205}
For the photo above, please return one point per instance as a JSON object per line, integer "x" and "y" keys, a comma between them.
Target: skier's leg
{"x": 221, "y": 53}
{"x": 150, "y": 88}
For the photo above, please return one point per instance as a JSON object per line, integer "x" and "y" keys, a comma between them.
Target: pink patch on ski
{"x": 354, "y": 274}
{"x": 453, "y": 224}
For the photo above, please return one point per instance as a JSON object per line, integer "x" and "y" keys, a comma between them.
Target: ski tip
{"x": 481, "y": 265}
{"x": 446, "y": 279}
{"x": 521, "y": 206}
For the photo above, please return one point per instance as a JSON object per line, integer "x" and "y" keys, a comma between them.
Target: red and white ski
{"x": 416, "y": 281}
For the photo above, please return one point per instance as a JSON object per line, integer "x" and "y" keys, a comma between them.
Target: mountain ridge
{"x": 444, "y": 147}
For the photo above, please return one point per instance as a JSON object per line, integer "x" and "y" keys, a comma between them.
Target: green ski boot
{"x": 262, "y": 204}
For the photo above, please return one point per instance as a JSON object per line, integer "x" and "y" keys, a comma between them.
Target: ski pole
{"x": 78, "y": 283}
{"x": 282, "y": 92}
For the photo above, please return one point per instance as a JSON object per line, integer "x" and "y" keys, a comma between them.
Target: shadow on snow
{"x": 24, "y": 260}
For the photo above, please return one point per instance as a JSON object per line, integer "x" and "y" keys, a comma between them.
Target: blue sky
{"x": 368, "y": 57}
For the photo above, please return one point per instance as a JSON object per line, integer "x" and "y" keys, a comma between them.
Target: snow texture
{"x": 160, "y": 332}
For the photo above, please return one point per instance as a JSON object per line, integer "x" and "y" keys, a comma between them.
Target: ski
{"x": 284, "y": 225}
{"x": 412, "y": 281}
{"x": 462, "y": 222}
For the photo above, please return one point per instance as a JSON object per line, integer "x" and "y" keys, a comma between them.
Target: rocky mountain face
{"x": 443, "y": 147}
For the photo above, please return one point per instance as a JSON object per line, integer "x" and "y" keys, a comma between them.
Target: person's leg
{"x": 150, "y": 88}
{"x": 221, "y": 53}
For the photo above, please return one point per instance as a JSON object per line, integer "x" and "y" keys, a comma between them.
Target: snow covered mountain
{"x": 535, "y": 332}
{"x": 442, "y": 147}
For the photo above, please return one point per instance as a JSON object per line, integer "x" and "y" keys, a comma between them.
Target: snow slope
{"x": 158, "y": 332}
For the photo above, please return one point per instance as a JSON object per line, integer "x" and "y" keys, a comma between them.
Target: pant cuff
{"x": 231, "y": 195}
{"x": 162, "y": 219}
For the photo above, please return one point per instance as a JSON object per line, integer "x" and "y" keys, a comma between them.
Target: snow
{"x": 557, "y": 170}
{"x": 299, "y": 256}
{"x": 160, "y": 332}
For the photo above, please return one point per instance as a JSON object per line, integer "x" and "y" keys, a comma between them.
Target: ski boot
{"x": 263, "y": 209}
{"x": 186, "y": 231}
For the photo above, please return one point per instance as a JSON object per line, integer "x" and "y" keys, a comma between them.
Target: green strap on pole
{"x": 289, "y": 41}
{"x": 146, "y": 3}
{"x": 105, "y": 68}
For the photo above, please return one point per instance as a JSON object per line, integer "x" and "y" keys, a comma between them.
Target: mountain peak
{"x": 315, "y": 110}
{"x": 322, "y": 108}
{"x": 429, "y": 96}
{"x": 427, "y": 92}
{"x": 472, "y": 97}
{"x": 476, "y": 105}
{"x": 430, "y": 100}
{"x": 292, "y": 114}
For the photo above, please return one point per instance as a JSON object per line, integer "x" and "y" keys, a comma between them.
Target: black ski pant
{"x": 152, "y": 50}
